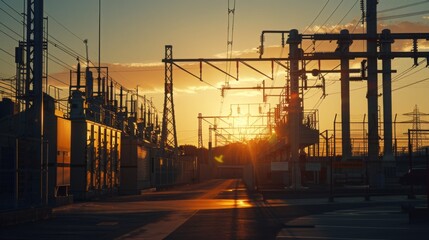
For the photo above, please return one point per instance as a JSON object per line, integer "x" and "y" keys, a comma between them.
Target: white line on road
{"x": 160, "y": 229}
{"x": 361, "y": 227}
{"x": 333, "y": 238}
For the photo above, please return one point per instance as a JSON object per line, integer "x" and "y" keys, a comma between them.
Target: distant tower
{"x": 200, "y": 131}
{"x": 416, "y": 136}
{"x": 168, "y": 133}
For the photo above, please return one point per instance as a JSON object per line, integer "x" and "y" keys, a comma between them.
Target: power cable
{"x": 5, "y": 33}
{"x": 13, "y": 9}
{"x": 345, "y": 15}
{"x": 333, "y": 12}
{"x": 10, "y": 15}
{"x": 64, "y": 47}
{"x": 10, "y": 29}
{"x": 59, "y": 62}
{"x": 321, "y": 10}
{"x": 58, "y": 80}
{"x": 403, "y": 6}
{"x": 403, "y": 15}
{"x": 8, "y": 53}
{"x": 410, "y": 84}
{"x": 67, "y": 29}
{"x": 7, "y": 62}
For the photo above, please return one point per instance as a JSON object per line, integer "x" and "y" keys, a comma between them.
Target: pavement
{"x": 355, "y": 218}
{"x": 369, "y": 223}
{"x": 224, "y": 209}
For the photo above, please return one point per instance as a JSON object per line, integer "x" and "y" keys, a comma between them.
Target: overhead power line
{"x": 10, "y": 15}
{"x": 8, "y": 53}
{"x": 5, "y": 33}
{"x": 333, "y": 12}
{"x": 403, "y": 6}
{"x": 66, "y": 28}
{"x": 317, "y": 16}
{"x": 403, "y": 15}
{"x": 410, "y": 84}
{"x": 13, "y": 9}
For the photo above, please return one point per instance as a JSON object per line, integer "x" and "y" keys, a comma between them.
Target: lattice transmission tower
{"x": 168, "y": 134}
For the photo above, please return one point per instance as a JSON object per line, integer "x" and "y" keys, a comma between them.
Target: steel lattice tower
{"x": 168, "y": 134}
{"x": 34, "y": 52}
{"x": 200, "y": 131}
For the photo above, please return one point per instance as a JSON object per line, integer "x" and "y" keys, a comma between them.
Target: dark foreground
{"x": 223, "y": 209}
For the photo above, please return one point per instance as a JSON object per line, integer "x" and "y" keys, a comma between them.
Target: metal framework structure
{"x": 231, "y": 129}
{"x": 297, "y": 59}
{"x": 168, "y": 132}
{"x": 34, "y": 53}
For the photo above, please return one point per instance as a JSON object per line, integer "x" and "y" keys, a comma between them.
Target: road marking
{"x": 347, "y": 219}
{"x": 334, "y": 238}
{"x": 160, "y": 229}
{"x": 362, "y": 227}
{"x": 215, "y": 191}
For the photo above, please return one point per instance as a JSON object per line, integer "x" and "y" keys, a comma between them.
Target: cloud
{"x": 238, "y": 53}
{"x": 139, "y": 65}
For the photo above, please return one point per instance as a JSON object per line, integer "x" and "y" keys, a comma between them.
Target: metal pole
{"x": 99, "y": 45}
{"x": 372, "y": 94}
{"x": 294, "y": 106}
{"x": 331, "y": 187}
{"x": 16, "y": 172}
{"x": 427, "y": 178}
{"x": 344, "y": 46}
{"x": 334, "y": 152}
{"x": 386, "y": 47}
{"x": 410, "y": 165}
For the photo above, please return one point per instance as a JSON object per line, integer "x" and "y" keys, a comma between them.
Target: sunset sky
{"x": 134, "y": 33}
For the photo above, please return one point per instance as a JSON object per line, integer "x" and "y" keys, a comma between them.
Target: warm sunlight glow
{"x": 219, "y": 159}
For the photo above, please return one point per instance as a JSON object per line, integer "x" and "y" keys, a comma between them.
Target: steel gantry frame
{"x": 257, "y": 126}
{"x": 344, "y": 40}
{"x": 343, "y": 54}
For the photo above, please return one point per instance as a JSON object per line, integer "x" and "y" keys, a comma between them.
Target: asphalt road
{"x": 223, "y": 209}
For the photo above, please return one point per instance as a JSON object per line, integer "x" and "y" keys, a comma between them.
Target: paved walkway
{"x": 368, "y": 223}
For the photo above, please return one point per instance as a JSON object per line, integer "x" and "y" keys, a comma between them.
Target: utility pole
{"x": 372, "y": 92}
{"x": 294, "y": 40}
{"x": 386, "y": 48}
{"x": 343, "y": 47}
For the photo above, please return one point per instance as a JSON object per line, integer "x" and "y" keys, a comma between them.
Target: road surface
{"x": 223, "y": 209}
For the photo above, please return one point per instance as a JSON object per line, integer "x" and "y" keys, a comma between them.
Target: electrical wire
{"x": 10, "y": 29}
{"x": 58, "y": 80}
{"x": 403, "y": 15}
{"x": 13, "y": 9}
{"x": 8, "y": 53}
{"x": 347, "y": 13}
{"x": 10, "y": 15}
{"x": 7, "y": 62}
{"x": 58, "y": 44}
{"x": 333, "y": 12}
{"x": 321, "y": 10}
{"x": 342, "y": 19}
{"x": 67, "y": 29}
{"x": 403, "y": 6}
{"x": 5, "y": 33}
{"x": 410, "y": 84}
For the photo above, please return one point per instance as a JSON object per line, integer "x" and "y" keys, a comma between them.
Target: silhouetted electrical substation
{"x": 107, "y": 140}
